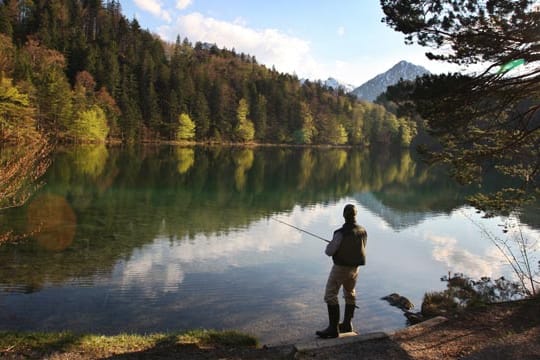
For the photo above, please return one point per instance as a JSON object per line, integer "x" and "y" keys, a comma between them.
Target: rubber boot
{"x": 332, "y": 331}
{"x": 346, "y": 325}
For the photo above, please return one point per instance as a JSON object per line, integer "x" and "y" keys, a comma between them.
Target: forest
{"x": 80, "y": 71}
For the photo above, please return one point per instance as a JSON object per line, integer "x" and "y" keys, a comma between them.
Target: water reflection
{"x": 51, "y": 221}
{"x": 20, "y": 171}
{"x": 162, "y": 238}
{"x": 446, "y": 250}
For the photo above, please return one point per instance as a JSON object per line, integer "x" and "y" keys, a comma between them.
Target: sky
{"x": 314, "y": 39}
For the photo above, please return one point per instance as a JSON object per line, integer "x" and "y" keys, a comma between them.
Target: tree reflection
{"x": 52, "y": 222}
{"x": 21, "y": 169}
{"x": 122, "y": 199}
{"x": 243, "y": 160}
{"x": 89, "y": 159}
{"x": 186, "y": 159}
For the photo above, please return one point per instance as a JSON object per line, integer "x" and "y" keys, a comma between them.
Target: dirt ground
{"x": 503, "y": 331}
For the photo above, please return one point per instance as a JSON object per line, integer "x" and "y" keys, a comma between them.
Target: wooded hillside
{"x": 80, "y": 71}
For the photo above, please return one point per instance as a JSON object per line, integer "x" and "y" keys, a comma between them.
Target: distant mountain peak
{"x": 371, "y": 89}
{"x": 336, "y": 84}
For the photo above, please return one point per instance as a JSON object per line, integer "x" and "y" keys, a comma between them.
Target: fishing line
{"x": 302, "y": 230}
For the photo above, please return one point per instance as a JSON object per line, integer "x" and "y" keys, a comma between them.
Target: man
{"x": 348, "y": 251}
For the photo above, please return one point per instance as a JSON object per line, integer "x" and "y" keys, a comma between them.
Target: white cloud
{"x": 182, "y": 4}
{"x": 271, "y": 47}
{"x": 154, "y": 7}
{"x": 290, "y": 54}
{"x": 459, "y": 260}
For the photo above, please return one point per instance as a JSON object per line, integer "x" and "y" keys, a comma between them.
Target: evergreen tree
{"x": 307, "y": 132}
{"x": 5, "y": 24}
{"x": 482, "y": 123}
{"x": 201, "y": 114}
{"x": 7, "y": 55}
{"x": 145, "y": 84}
{"x": 259, "y": 116}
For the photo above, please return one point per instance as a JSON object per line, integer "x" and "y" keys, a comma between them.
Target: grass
{"x": 51, "y": 342}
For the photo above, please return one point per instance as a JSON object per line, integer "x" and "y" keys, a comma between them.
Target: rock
{"x": 399, "y": 301}
{"x": 414, "y": 317}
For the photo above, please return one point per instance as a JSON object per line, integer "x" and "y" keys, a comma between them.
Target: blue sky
{"x": 314, "y": 39}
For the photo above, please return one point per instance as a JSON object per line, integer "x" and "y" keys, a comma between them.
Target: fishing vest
{"x": 352, "y": 250}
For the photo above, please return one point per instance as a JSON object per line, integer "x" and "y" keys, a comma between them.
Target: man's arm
{"x": 333, "y": 245}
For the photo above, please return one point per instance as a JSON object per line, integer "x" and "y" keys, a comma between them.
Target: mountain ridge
{"x": 371, "y": 89}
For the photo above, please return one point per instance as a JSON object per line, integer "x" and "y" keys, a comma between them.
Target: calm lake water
{"x": 174, "y": 238}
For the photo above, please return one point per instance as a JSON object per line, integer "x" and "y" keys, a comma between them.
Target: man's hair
{"x": 349, "y": 212}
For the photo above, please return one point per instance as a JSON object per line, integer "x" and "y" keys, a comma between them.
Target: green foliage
{"x": 475, "y": 31}
{"x": 355, "y": 126}
{"x": 89, "y": 126}
{"x": 218, "y": 338}
{"x": 307, "y": 132}
{"x": 7, "y": 55}
{"x": 243, "y": 160}
{"x": 89, "y": 160}
{"x": 186, "y": 128}
{"x": 244, "y": 130}
{"x": 186, "y": 159}
{"x": 42, "y": 344}
{"x": 17, "y": 116}
{"x": 481, "y": 124}
{"x": 5, "y": 24}
{"x": 73, "y": 56}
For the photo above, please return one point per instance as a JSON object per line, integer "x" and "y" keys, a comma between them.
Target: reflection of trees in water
{"x": 20, "y": 171}
{"x": 186, "y": 159}
{"x": 124, "y": 199}
{"x": 51, "y": 221}
{"x": 243, "y": 160}
{"x": 89, "y": 159}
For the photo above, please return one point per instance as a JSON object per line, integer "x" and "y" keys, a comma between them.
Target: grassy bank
{"x": 82, "y": 346}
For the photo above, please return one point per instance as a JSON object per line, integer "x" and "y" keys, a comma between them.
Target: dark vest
{"x": 352, "y": 250}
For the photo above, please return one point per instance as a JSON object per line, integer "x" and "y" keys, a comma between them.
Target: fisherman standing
{"x": 348, "y": 251}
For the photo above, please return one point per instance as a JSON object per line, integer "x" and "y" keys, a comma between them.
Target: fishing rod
{"x": 302, "y": 230}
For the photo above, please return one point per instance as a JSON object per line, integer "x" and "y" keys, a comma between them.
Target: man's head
{"x": 349, "y": 213}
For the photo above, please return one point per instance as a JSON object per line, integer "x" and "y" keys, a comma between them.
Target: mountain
{"x": 336, "y": 84}
{"x": 333, "y": 83}
{"x": 376, "y": 86}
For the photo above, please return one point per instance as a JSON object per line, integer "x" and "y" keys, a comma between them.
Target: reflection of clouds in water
{"x": 491, "y": 232}
{"x": 324, "y": 216}
{"x": 459, "y": 260}
{"x": 382, "y": 225}
{"x": 312, "y": 219}
{"x": 160, "y": 266}
{"x": 152, "y": 266}
{"x": 530, "y": 236}
{"x": 256, "y": 239}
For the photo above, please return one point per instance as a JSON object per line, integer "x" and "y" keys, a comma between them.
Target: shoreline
{"x": 508, "y": 330}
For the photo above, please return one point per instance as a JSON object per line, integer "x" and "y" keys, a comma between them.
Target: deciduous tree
{"x": 186, "y": 128}
{"x": 244, "y": 130}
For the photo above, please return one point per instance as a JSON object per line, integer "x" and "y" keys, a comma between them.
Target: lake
{"x": 153, "y": 239}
